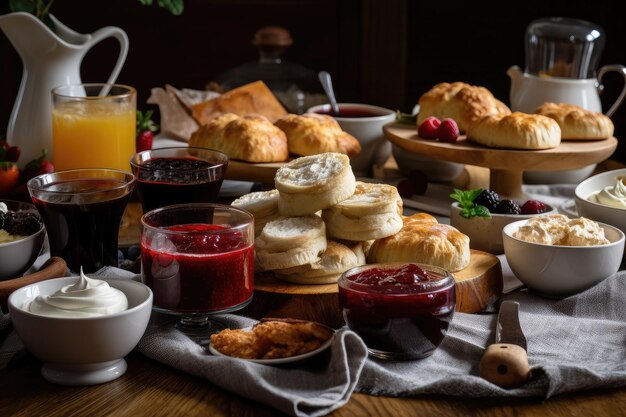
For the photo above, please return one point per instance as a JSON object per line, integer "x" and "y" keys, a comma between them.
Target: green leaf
{"x": 482, "y": 211}
{"x": 473, "y": 194}
{"x": 27, "y": 6}
{"x": 175, "y": 7}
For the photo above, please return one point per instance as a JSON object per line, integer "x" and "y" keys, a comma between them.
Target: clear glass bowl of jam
{"x": 401, "y": 310}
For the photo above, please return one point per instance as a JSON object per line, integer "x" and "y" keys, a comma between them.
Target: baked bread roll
{"x": 248, "y": 138}
{"x": 311, "y": 134}
{"x": 311, "y": 183}
{"x": 262, "y": 204}
{"x": 516, "y": 131}
{"x": 290, "y": 241}
{"x": 253, "y": 98}
{"x": 422, "y": 239}
{"x": 576, "y": 122}
{"x": 334, "y": 261}
{"x": 374, "y": 211}
{"x": 459, "y": 101}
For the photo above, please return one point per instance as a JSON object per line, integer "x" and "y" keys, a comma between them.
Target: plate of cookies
{"x": 273, "y": 341}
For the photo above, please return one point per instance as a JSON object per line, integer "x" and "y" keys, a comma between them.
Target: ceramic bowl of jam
{"x": 365, "y": 122}
{"x": 401, "y": 310}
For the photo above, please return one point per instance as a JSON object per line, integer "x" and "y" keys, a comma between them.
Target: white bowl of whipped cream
{"x": 603, "y": 198}
{"x": 81, "y": 327}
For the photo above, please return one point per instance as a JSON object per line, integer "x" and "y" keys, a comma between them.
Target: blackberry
{"x": 489, "y": 199}
{"x": 3, "y": 219}
{"x": 23, "y": 223}
{"x": 508, "y": 207}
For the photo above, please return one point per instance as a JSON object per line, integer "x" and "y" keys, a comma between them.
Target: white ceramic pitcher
{"x": 50, "y": 59}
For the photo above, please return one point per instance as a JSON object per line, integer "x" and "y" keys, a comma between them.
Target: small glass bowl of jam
{"x": 401, "y": 310}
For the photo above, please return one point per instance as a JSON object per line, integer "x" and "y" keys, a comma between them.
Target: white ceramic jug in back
{"x": 50, "y": 59}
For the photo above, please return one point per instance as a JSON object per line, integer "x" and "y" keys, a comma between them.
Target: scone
{"x": 422, "y": 239}
{"x": 311, "y": 183}
{"x": 516, "y": 131}
{"x": 290, "y": 241}
{"x": 335, "y": 260}
{"x": 262, "y": 204}
{"x": 459, "y": 101}
{"x": 374, "y": 211}
{"x": 248, "y": 138}
{"x": 311, "y": 134}
{"x": 576, "y": 122}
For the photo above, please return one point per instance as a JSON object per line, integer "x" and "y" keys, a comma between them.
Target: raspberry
{"x": 428, "y": 128}
{"x": 489, "y": 199}
{"x": 534, "y": 207}
{"x": 448, "y": 131}
{"x": 508, "y": 207}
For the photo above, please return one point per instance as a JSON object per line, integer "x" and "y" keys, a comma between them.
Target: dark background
{"x": 383, "y": 52}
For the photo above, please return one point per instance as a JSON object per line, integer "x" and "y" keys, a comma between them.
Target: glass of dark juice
{"x": 198, "y": 259}
{"x": 178, "y": 175}
{"x": 400, "y": 310}
{"x": 82, "y": 210}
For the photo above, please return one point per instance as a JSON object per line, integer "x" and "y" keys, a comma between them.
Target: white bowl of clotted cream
{"x": 81, "y": 328}
{"x": 603, "y": 198}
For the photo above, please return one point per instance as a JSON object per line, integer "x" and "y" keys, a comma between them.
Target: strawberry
{"x": 429, "y": 127}
{"x": 448, "y": 131}
{"x": 13, "y": 154}
{"x": 9, "y": 175}
{"x": 37, "y": 167}
{"x": 145, "y": 131}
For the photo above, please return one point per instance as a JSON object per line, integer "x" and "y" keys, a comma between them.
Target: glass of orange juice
{"x": 93, "y": 126}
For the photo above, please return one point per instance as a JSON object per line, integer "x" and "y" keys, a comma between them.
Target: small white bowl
{"x": 560, "y": 271}
{"x": 486, "y": 234}
{"x": 596, "y": 211}
{"x": 19, "y": 255}
{"x": 82, "y": 351}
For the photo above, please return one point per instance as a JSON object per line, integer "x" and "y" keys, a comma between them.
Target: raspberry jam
{"x": 198, "y": 268}
{"x": 400, "y": 310}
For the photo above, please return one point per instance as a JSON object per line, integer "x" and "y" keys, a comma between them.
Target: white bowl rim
{"x": 126, "y": 312}
{"x": 552, "y": 210}
{"x": 612, "y": 173}
{"x": 388, "y": 112}
{"x": 507, "y": 230}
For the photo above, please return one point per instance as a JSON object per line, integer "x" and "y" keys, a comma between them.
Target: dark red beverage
{"x": 401, "y": 311}
{"x": 204, "y": 268}
{"x": 350, "y": 112}
{"x": 82, "y": 218}
{"x": 177, "y": 180}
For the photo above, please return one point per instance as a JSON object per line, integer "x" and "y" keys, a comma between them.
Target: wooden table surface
{"x": 151, "y": 389}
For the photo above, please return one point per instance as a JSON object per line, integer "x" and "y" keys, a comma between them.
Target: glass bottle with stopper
{"x": 295, "y": 86}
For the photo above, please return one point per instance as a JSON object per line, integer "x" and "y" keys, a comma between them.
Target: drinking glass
{"x": 398, "y": 316}
{"x": 82, "y": 210}
{"x": 198, "y": 259}
{"x": 93, "y": 126}
{"x": 175, "y": 175}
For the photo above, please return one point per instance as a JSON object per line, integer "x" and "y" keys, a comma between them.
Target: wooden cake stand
{"x": 506, "y": 165}
{"x": 477, "y": 286}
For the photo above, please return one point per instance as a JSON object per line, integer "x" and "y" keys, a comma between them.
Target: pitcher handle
{"x": 617, "y": 68}
{"x": 122, "y": 38}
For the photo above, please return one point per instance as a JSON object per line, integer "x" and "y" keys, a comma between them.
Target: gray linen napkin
{"x": 573, "y": 344}
{"x": 314, "y": 387}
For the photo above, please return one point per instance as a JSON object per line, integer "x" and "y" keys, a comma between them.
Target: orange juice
{"x": 93, "y": 134}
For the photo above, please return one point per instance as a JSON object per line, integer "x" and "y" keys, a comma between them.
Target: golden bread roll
{"x": 422, "y": 239}
{"x": 516, "y": 131}
{"x": 459, "y": 101}
{"x": 253, "y": 98}
{"x": 576, "y": 122}
{"x": 249, "y": 138}
{"x": 312, "y": 134}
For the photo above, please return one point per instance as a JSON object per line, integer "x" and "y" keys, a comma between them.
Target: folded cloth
{"x": 574, "y": 344}
{"x": 314, "y": 387}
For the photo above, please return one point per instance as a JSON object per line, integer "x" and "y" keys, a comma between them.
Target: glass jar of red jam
{"x": 401, "y": 310}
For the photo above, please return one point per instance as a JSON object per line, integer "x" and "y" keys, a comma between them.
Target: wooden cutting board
{"x": 477, "y": 286}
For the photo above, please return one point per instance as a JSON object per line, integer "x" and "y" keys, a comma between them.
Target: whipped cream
{"x": 88, "y": 297}
{"x": 613, "y": 195}
{"x": 559, "y": 230}
{"x": 3, "y": 207}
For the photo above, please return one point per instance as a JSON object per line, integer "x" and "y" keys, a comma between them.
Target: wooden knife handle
{"x": 54, "y": 267}
{"x": 505, "y": 365}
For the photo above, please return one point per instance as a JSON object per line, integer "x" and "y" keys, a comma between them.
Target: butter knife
{"x": 505, "y": 363}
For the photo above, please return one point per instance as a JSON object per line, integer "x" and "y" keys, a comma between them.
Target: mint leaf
{"x": 482, "y": 211}
{"x": 466, "y": 203}
{"x": 473, "y": 194}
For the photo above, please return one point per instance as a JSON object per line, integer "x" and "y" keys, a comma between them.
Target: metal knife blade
{"x": 508, "y": 329}
{"x": 505, "y": 363}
